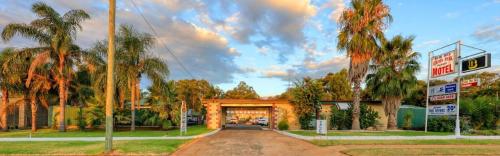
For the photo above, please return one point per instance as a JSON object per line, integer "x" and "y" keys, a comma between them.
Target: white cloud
{"x": 488, "y": 33}
{"x": 337, "y": 7}
{"x": 276, "y": 24}
{"x": 428, "y": 43}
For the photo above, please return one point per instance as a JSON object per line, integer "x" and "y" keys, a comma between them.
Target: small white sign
{"x": 443, "y": 89}
{"x": 447, "y": 109}
{"x": 321, "y": 127}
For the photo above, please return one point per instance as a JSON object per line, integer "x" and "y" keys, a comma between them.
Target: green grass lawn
{"x": 405, "y": 142}
{"x": 370, "y": 133}
{"x": 423, "y": 151}
{"x": 78, "y": 147}
{"x": 192, "y": 130}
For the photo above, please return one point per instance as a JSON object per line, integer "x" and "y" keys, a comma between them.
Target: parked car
{"x": 262, "y": 121}
{"x": 233, "y": 121}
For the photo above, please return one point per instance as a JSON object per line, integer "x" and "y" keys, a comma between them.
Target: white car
{"x": 262, "y": 121}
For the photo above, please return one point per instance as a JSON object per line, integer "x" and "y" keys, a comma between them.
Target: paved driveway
{"x": 251, "y": 142}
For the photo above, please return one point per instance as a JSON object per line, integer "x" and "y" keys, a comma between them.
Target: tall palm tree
{"x": 393, "y": 76}
{"x": 38, "y": 87}
{"x": 138, "y": 61}
{"x": 55, "y": 35}
{"x": 133, "y": 60}
{"x": 5, "y": 86}
{"x": 361, "y": 31}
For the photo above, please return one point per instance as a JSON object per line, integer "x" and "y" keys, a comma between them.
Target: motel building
{"x": 225, "y": 113}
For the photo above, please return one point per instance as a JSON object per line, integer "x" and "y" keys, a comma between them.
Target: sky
{"x": 269, "y": 43}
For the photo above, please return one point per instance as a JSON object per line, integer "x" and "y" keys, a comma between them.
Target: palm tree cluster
{"x": 57, "y": 64}
{"x": 393, "y": 63}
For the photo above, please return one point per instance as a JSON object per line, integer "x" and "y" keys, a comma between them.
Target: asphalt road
{"x": 231, "y": 142}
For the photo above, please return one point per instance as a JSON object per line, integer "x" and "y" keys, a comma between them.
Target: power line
{"x": 157, "y": 36}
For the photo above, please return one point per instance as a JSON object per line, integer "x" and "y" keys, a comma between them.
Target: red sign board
{"x": 443, "y": 97}
{"x": 470, "y": 82}
{"x": 443, "y": 64}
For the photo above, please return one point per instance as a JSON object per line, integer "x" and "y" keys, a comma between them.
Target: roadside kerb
{"x": 448, "y": 137}
{"x": 114, "y": 138}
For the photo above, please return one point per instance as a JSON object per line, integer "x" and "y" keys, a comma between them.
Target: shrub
{"x": 342, "y": 119}
{"x": 447, "y": 124}
{"x": 481, "y": 111}
{"x": 407, "y": 119}
{"x": 306, "y": 122}
{"x": 94, "y": 114}
{"x": 167, "y": 124}
{"x": 283, "y": 125}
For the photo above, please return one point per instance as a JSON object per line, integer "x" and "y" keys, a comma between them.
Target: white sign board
{"x": 183, "y": 125}
{"x": 321, "y": 127}
{"x": 443, "y": 89}
{"x": 447, "y": 109}
{"x": 443, "y": 64}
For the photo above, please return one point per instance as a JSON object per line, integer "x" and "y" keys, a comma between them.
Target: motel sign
{"x": 443, "y": 64}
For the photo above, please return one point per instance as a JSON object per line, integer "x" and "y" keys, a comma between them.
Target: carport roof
{"x": 245, "y": 101}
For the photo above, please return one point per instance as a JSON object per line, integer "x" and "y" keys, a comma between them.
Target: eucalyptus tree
{"x": 242, "y": 91}
{"x": 393, "y": 76}
{"x": 361, "y": 30}
{"x": 55, "y": 35}
{"x": 306, "y": 97}
{"x": 337, "y": 86}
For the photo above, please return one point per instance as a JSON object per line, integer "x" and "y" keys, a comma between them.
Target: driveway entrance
{"x": 249, "y": 143}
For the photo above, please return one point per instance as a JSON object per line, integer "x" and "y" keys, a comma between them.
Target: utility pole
{"x": 457, "y": 120}
{"x": 110, "y": 82}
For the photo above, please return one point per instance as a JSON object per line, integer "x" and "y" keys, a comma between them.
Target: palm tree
{"x": 138, "y": 61}
{"x": 133, "y": 60}
{"x": 55, "y": 35}
{"x": 361, "y": 31}
{"x": 38, "y": 87}
{"x": 163, "y": 99}
{"x": 393, "y": 76}
{"x": 5, "y": 85}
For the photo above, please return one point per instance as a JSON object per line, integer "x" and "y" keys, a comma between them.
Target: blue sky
{"x": 267, "y": 43}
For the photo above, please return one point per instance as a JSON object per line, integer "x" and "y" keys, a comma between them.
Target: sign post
{"x": 183, "y": 125}
{"x": 321, "y": 127}
{"x": 457, "y": 123}
{"x": 444, "y": 64}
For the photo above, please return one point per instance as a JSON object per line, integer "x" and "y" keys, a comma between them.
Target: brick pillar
{"x": 219, "y": 115}
{"x": 273, "y": 116}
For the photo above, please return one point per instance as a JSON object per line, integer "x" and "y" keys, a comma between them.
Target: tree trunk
{"x": 33, "y": 113}
{"x": 138, "y": 92}
{"x": 318, "y": 117}
{"x": 121, "y": 96}
{"x": 391, "y": 108}
{"x": 22, "y": 109}
{"x": 62, "y": 92}
{"x": 355, "y": 105}
{"x": 62, "y": 104}
{"x": 132, "y": 106}
{"x": 3, "y": 109}
{"x": 391, "y": 123}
